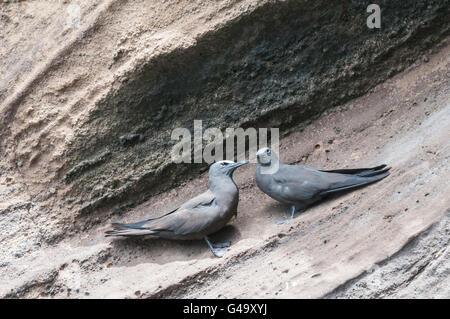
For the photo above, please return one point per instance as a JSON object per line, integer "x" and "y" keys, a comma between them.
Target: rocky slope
{"x": 90, "y": 93}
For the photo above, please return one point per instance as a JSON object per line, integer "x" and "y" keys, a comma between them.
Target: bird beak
{"x": 236, "y": 165}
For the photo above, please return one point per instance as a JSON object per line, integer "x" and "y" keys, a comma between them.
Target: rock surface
{"x": 90, "y": 93}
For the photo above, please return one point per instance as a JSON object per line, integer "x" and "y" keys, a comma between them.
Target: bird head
{"x": 266, "y": 156}
{"x": 224, "y": 168}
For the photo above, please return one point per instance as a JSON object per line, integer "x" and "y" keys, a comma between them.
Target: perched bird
{"x": 198, "y": 217}
{"x": 300, "y": 186}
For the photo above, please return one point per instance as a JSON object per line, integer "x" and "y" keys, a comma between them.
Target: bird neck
{"x": 217, "y": 182}
{"x": 221, "y": 183}
{"x": 270, "y": 168}
{"x": 225, "y": 192}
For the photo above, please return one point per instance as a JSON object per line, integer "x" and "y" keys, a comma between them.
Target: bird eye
{"x": 268, "y": 152}
{"x": 224, "y": 163}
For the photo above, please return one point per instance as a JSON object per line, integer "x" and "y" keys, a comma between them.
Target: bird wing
{"x": 193, "y": 216}
{"x": 205, "y": 199}
{"x": 300, "y": 183}
{"x": 296, "y": 183}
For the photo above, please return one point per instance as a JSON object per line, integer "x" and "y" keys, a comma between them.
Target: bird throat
{"x": 269, "y": 168}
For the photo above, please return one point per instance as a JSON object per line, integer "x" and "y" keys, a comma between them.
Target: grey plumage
{"x": 300, "y": 186}
{"x": 198, "y": 217}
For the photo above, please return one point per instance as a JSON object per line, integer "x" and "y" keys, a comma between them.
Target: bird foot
{"x": 222, "y": 245}
{"x": 283, "y": 221}
{"x": 292, "y": 212}
{"x": 218, "y": 249}
{"x": 219, "y": 252}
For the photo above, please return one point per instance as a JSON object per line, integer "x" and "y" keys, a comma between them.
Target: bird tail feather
{"x": 129, "y": 232}
{"x": 132, "y": 229}
{"x": 358, "y": 171}
{"x": 371, "y": 173}
{"x": 138, "y": 225}
{"x": 357, "y": 183}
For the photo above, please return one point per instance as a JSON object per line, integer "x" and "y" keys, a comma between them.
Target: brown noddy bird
{"x": 197, "y": 218}
{"x": 300, "y": 186}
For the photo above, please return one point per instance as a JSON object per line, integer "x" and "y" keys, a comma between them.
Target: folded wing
{"x": 193, "y": 216}
{"x": 301, "y": 183}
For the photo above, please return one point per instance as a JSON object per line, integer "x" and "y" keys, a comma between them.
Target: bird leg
{"x": 292, "y": 211}
{"x": 218, "y": 249}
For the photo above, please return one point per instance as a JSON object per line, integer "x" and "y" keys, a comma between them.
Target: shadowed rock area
{"x": 277, "y": 66}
